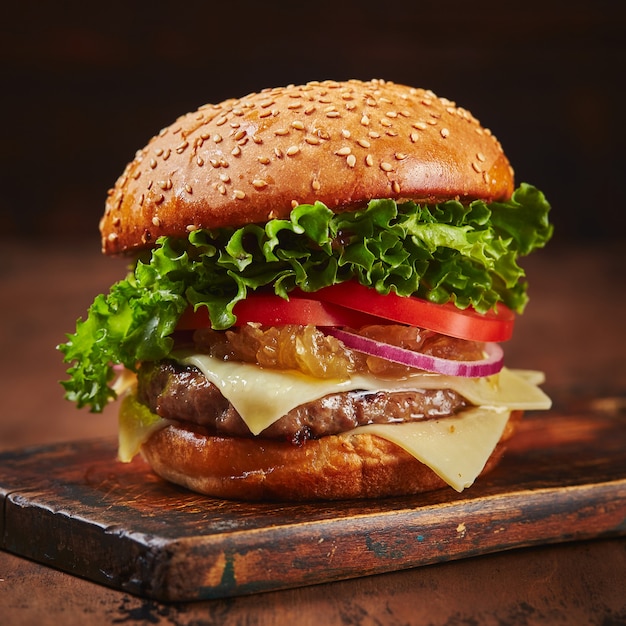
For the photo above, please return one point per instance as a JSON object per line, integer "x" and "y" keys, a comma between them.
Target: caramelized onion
{"x": 491, "y": 364}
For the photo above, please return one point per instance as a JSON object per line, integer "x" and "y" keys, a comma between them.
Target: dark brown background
{"x": 85, "y": 84}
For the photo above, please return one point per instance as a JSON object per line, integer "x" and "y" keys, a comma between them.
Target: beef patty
{"x": 182, "y": 393}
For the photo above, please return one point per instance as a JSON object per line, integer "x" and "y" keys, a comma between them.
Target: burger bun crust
{"x": 341, "y": 467}
{"x": 251, "y": 159}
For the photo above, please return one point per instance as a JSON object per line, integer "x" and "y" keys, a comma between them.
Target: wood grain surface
{"x": 74, "y": 507}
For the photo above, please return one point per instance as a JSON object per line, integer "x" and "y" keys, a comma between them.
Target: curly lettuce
{"x": 446, "y": 252}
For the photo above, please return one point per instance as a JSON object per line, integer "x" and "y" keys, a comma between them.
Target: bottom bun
{"x": 331, "y": 468}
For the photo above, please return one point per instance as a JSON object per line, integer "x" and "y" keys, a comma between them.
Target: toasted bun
{"x": 342, "y": 143}
{"x": 330, "y": 468}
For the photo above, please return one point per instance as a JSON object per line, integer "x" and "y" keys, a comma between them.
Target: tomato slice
{"x": 446, "y": 319}
{"x": 272, "y": 310}
{"x": 354, "y": 305}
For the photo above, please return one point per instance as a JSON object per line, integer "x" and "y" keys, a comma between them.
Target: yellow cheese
{"x": 455, "y": 448}
{"x": 135, "y": 425}
{"x": 262, "y": 396}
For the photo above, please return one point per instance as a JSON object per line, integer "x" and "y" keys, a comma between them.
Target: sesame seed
{"x": 188, "y": 188}
{"x": 298, "y": 125}
{"x": 236, "y": 151}
{"x": 221, "y": 188}
{"x": 344, "y": 151}
{"x": 221, "y": 120}
{"x": 345, "y": 133}
{"x": 191, "y": 227}
{"x": 400, "y": 156}
{"x": 217, "y": 138}
{"x": 166, "y": 155}
{"x": 159, "y": 199}
{"x": 444, "y": 132}
{"x": 214, "y": 162}
{"x": 365, "y": 120}
{"x": 281, "y": 132}
{"x": 392, "y": 114}
{"x": 180, "y": 148}
{"x": 264, "y": 160}
{"x": 414, "y": 137}
{"x": 310, "y": 139}
{"x": 420, "y": 126}
{"x": 294, "y": 204}
{"x": 142, "y": 198}
{"x": 386, "y": 167}
{"x": 364, "y": 143}
{"x": 112, "y": 237}
{"x": 158, "y": 151}
{"x": 369, "y": 160}
{"x": 386, "y": 122}
{"x": 258, "y": 183}
{"x": 240, "y": 134}
{"x": 279, "y": 153}
{"x": 486, "y": 177}
{"x": 480, "y": 156}
{"x": 333, "y": 114}
{"x": 395, "y": 186}
{"x": 153, "y": 163}
{"x": 293, "y": 150}
{"x": 200, "y": 161}
{"x": 315, "y": 184}
{"x": 351, "y": 160}
{"x": 265, "y": 113}
{"x": 476, "y": 167}
{"x": 225, "y": 178}
{"x": 310, "y": 109}
{"x": 116, "y": 220}
{"x": 156, "y": 221}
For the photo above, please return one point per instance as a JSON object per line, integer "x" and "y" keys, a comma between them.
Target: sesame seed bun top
{"x": 342, "y": 143}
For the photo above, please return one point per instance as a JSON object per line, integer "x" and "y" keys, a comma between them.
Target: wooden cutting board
{"x": 74, "y": 507}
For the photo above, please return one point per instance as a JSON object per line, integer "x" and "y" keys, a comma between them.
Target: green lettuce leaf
{"x": 447, "y": 252}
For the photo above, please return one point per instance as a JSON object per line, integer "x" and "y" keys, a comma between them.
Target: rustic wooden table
{"x": 573, "y": 330}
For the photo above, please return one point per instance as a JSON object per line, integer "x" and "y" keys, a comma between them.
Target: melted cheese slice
{"x": 262, "y": 396}
{"x": 455, "y": 448}
{"x": 135, "y": 425}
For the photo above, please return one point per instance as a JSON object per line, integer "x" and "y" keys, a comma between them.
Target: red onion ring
{"x": 491, "y": 364}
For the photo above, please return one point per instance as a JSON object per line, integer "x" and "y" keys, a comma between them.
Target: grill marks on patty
{"x": 183, "y": 393}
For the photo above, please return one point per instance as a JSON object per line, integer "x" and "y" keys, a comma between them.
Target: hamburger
{"x": 321, "y": 277}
